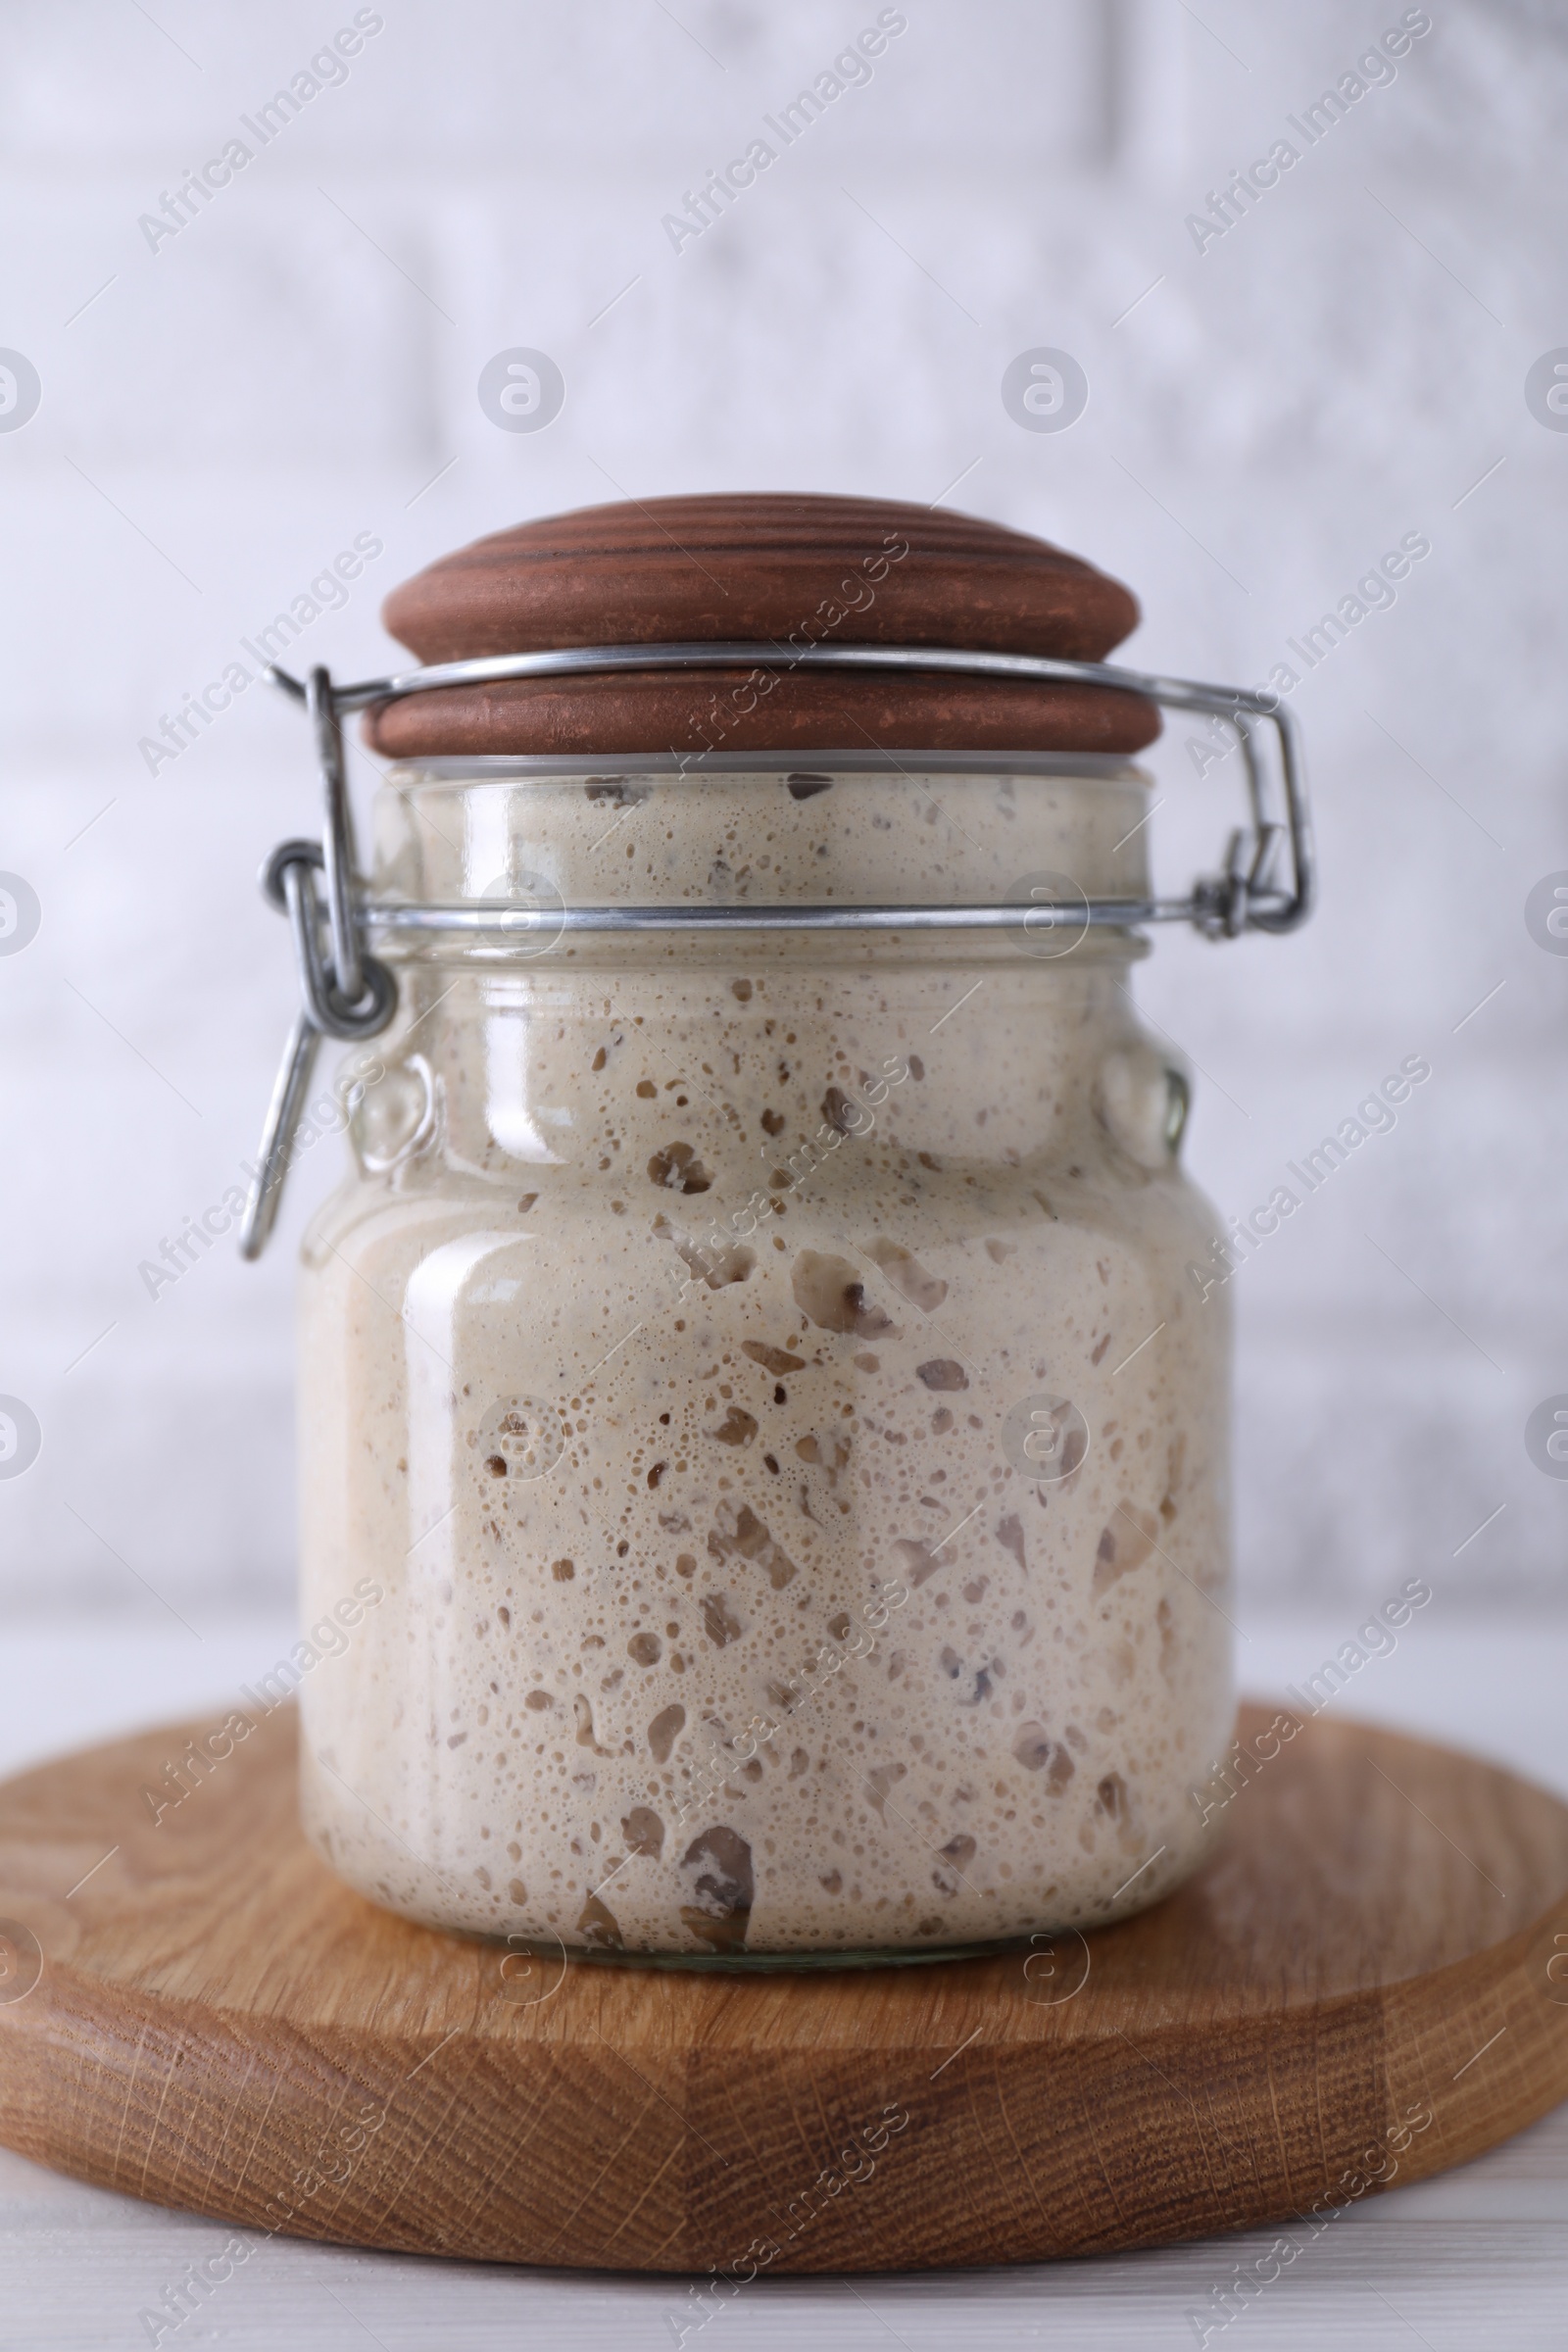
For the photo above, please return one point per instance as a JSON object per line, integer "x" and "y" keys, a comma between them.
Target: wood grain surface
{"x": 704, "y": 714}
{"x": 783, "y": 569}
{"x": 1365, "y": 1985}
{"x": 756, "y": 565}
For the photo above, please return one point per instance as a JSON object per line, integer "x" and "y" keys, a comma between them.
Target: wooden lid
{"x": 790, "y": 570}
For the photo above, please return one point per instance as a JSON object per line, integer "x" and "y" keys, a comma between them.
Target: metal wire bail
{"x": 344, "y": 992}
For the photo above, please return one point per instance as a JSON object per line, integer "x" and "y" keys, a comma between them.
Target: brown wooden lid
{"x": 789, "y": 571}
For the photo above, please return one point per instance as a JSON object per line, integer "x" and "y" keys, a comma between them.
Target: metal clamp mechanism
{"x": 346, "y": 993}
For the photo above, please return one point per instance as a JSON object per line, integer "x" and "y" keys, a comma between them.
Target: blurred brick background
{"x": 1266, "y": 417}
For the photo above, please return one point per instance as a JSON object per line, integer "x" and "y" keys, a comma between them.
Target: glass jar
{"x": 760, "y": 1382}
{"x": 765, "y": 1404}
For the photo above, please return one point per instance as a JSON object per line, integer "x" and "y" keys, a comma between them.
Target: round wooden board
{"x": 1360, "y": 1987}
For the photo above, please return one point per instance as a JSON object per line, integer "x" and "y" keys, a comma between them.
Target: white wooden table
{"x": 1477, "y": 2258}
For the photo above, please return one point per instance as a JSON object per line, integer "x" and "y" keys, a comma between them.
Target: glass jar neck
{"x": 925, "y": 829}
{"x": 744, "y": 1052}
{"x": 690, "y": 1080}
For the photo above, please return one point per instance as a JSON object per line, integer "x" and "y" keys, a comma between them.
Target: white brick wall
{"x": 301, "y": 359}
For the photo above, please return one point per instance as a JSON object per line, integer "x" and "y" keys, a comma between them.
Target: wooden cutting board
{"x": 1368, "y": 1982}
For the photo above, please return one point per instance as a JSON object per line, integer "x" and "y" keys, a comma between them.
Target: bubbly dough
{"x": 659, "y": 1364}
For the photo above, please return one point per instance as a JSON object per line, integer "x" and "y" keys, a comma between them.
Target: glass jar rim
{"x": 488, "y": 768}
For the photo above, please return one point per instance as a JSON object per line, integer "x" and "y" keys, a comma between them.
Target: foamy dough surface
{"x": 659, "y": 1364}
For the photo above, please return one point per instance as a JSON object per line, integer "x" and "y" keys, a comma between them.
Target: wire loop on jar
{"x": 288, "y": 882}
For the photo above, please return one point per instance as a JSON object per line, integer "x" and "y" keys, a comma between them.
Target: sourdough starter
{"x": 670, "y": 1361}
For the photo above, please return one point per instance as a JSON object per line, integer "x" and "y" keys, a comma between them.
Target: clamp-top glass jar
{"x": 755, "y": 1361}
